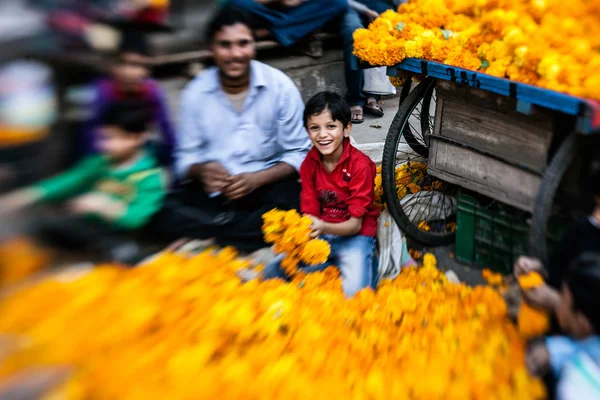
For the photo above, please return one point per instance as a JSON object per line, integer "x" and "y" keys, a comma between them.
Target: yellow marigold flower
{"x": 530, "y": 280}
{"x": 424, "y": 226}
{"x": 315, "y": 252}
{"x": 492, "y": 278}
{"x": 531, "y": 321}
{"x": 429, "y": 260}
{"x": 414, "y": 188}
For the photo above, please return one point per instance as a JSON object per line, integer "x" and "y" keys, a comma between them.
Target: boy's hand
{"x": 525, "y": 265}
{"x": 537, "y": 359}
{"x": 92, "y": 203}
{"x": 14, "y": 201}
{"x": 543, "y": 296}
{"x": 317, "y": 227}
{"x": 241, "y": 185}
{"x": 213, "y": 176}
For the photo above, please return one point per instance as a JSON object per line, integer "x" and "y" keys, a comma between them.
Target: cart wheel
{"x": 416, "y": 132}
{"x": 423, "y": 206}
{"x": 559, "y": 201}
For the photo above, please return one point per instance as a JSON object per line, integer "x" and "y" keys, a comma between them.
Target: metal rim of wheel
{"x": 413, "y": 214}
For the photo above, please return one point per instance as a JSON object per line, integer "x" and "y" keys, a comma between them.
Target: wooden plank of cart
{"x": 519, "y": 144}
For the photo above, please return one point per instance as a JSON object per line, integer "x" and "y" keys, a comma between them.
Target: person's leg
{"x": 189, "y": 212}
{"x": 352, "y": 73}
{"x": 379, "y": 6}
{"x": 305, "y": 18}
{"x": 355, "y": 255}
{"x": 97, "y": 239}
{"x": 245, "y": 233}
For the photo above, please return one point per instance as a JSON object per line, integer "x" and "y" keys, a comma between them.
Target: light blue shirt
{"x": 267, "y": 131}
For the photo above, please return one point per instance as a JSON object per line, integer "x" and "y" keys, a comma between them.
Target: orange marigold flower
{"x": 530, "y": 280}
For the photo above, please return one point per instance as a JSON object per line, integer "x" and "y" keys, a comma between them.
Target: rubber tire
{"x": 389, "y": 168}
{"x": 418, "y": 148}
{"x": 544, "y": 200}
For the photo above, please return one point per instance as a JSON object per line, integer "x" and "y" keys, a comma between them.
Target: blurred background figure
{"x": 130, "y": 80}
{"x": 105, "y": 197}
{"x": 360, "y": 14}
{"x": 28, "y": 109}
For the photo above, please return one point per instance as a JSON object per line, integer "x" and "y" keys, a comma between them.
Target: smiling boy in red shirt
{"x": 338, "y": 194}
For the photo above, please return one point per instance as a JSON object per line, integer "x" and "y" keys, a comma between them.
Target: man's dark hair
{"x": 583, "y": 281}
{"x": 132, "y": 116}
{"x": 133, "y": 41}
{"x": 228, "y": 15}
{"x": 337, "y": 106}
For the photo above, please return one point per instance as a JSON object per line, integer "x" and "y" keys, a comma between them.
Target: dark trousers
{"x": 289, "y": 25}
{"x": 189, "y": 212}
{"x": 98, "y": 240}
{"x": 350, "y": 22}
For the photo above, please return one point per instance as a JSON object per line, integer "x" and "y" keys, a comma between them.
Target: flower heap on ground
{"x": 187, "y": 328}
{"x": 290, "y": 234}
{"x": 549, "y": 43}
{"x": 19, "y": 259}
{"x": 409, "y": 178}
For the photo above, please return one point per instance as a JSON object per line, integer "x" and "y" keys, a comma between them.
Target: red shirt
{"x": 348, "y": 191}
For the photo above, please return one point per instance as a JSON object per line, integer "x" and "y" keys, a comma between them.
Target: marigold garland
{"x": 549, "y": 43}
{"x": 290, "y": 233}
{"x": 191, "y": 330}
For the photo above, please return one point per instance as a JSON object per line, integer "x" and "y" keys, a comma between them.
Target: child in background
{"x": 106, "y": 195}
{"x": 574, "y": 360}
{"x": 338, "y": 194}
{"x": 130, "y": 81}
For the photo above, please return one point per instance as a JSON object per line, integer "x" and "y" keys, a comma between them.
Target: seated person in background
{"x": 360, "y": 14}
{"x": 105, "y": 195}
{"x": 583, "y": 236}
{"x": 291, "y": 20}
{"x": 130, "y": 80}
{"x": 240, "y": 143}
{"x": 574, "y": 359}
{"x": 338, "y": 194}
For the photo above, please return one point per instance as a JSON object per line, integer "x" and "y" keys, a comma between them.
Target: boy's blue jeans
{"x": 353, "y": 255}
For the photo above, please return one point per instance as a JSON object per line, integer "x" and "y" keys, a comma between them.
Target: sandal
{"x": 374, "y": 109}
{"x": 357, "y": 116}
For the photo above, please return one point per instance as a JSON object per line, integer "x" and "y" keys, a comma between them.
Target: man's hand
{"x": 242, "y": 185}
{"x": 544, "y": 296}
{"x": 17, "y": 200}
{"x": 537, "y": 359}
{"x": 525, "y": 265}
{"x": 291, "y": 3}
{"x": 213, "y": 176}
{"x": 371, "y": 15}
{"x": 316, "y": 227}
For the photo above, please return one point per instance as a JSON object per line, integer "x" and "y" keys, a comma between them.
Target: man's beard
{"x": 236, "y": 81}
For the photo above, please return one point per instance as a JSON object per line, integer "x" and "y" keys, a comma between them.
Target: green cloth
{"x": 141, "y": 187}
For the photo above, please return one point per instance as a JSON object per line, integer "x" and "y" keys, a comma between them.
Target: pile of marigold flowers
{"x": 549, "y": 43}
{"x": 289, "y": 232}
{"x": 409, "y": 177}
{"x": 185, "y": 327}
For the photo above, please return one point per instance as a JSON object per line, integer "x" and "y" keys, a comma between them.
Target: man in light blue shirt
{"x": 240, "y": 144}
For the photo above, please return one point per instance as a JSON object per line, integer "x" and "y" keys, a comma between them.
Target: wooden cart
{"x": 519, "y": 144}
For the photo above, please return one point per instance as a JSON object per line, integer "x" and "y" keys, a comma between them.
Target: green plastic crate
{"x": 491, "y": 236}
